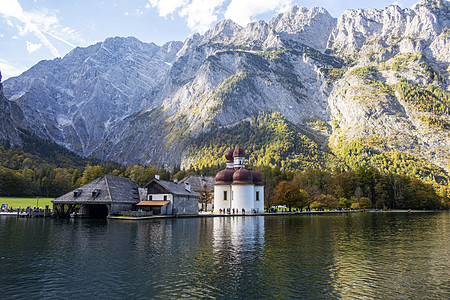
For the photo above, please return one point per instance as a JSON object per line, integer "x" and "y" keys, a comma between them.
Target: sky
{"x": 33, "y": 30}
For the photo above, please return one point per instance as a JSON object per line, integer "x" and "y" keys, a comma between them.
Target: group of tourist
{"x": 231, "y": 211}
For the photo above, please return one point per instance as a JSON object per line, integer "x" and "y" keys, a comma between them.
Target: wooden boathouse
{"x": 102, "y": 197}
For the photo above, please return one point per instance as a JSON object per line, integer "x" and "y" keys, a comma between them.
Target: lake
{"x": 359, "y": 255}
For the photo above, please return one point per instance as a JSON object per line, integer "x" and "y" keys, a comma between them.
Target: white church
{"x": 238, "y": 188}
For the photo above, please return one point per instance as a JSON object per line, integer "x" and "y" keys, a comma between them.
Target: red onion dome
{"x": 242, "y": 176}
{"x": 229, "y": 155}
{"x": 225, "y": 177}
{"x": 239, "y": 152}
{"x": 257, "y": 178}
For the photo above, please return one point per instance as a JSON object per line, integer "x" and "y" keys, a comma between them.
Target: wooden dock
{"x": 41, "y": 213}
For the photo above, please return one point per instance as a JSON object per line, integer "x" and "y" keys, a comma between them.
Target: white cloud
{"x": 243, "y": 12}
{"x": 31, "y": 47}
{"x": 201, "y": 14}
{"x": 137, "y": 12}
{"x": 167, "y": 7}
{"x": 9, "y": 70}
{"x": 41, "y": 24}
{"x": 11, "y": 8}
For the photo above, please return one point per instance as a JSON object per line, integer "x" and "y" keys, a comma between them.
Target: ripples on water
{"x": 364, "y": 256}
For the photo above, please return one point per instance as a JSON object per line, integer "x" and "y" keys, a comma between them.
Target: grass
{"x": 14, "y": 202}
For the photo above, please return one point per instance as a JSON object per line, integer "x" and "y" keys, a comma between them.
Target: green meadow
{"x": 14, "y": 202}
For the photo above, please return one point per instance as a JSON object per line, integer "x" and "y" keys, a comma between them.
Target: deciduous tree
{"x": 288, "y": 193}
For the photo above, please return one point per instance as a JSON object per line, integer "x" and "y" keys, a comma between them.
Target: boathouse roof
{"x": 103, "y": 190}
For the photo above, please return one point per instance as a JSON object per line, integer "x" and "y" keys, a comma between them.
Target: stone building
{"x": 169, "y": 198}
{"x": 203, "y": 185}
{"x": 237, "y": 187}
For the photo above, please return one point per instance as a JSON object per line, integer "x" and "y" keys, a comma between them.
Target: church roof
{"x": 257, "y": 178}
{"x": 225, "y": 177}
{"x": 229, "y": 156}
{"x": 242, "y": 176}
{"x": 239, "y": 152}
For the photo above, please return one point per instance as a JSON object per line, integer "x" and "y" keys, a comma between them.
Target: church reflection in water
{"x": 219, "y": 254}
{"x": 237, "y": 245}
{"x": 235, "y": 232}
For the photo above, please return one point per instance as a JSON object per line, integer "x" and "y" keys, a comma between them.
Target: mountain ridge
{"x": 339, "y": 78}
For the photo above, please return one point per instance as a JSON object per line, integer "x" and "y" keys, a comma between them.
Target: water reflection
{"x": 237, "y": 243}
{"x": 392, "y": 255}
{"x": 344, "y": 256}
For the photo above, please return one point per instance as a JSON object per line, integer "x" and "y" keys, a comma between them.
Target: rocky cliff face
{"x": 75, "y": 100}
{"x": 310, "y": 27}
{"x": 133, "y": 102}
{"x": 8, "y": 132}
{"x": 398, "y": 44}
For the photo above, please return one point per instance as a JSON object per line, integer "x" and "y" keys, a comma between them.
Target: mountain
{"x": 370, "y": 87}
{"x": 8, "y": 131}
{"x": 83, "y": 94}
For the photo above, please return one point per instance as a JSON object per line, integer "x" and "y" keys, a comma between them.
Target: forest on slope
{"x": 42, "y": 168}
{"x": 282, "y": 151}
{"x": 50, "y": 170}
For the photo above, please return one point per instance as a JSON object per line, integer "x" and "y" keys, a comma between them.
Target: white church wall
{"x": 219, "y": 201}
{"x": 243, "y": 197}
{"x": 259, "y": 205}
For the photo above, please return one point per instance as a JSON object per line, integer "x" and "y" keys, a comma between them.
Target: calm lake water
{"x": 364, "y": 255}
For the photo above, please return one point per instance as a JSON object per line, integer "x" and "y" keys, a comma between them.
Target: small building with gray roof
{"x": 104, "y": 196}
{"x": 203, "y": 185}
{"x": 169, "y": 198}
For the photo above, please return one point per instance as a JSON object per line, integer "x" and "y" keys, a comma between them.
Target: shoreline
{"x": 215, "y": 215}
